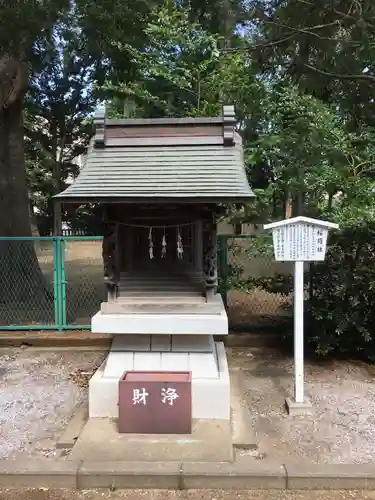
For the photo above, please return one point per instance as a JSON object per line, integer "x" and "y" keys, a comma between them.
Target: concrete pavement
{"x": 243, "y": 474}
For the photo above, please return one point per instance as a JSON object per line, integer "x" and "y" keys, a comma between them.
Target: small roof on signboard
{"x": 301, "y": 220}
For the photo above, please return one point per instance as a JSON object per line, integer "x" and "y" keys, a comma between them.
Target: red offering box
{"x": 155, "y": 402}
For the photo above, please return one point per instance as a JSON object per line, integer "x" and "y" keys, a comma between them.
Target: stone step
{"x": 164, "y": 308}
{"x": 157, "y": 287}
{"x": 156, "y": 294}
{"x": 183, "y": 299}
{"x": 162, "y": 277}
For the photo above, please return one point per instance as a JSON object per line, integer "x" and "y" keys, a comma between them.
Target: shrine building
{"x": 162, "y": 185}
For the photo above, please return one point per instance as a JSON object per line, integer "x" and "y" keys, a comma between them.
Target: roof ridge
{"x": 182, "y": 130}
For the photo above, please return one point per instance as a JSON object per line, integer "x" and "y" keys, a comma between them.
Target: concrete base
{"x": 210, "y": 378}
{"x": 210, "y": 441}
{"x": 206, "y": 433}
{"x": 163, "y": 323}
{"x": 211, "y": 438}
{"x": 294, "y": 408}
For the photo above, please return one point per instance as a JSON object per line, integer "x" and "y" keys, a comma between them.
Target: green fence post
{"x": 223, "y": 267}
{"x": 63, "y": 284}
{"x": 56, "y": 282}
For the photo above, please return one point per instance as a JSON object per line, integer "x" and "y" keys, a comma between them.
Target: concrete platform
{"x": 164, "y": 323}
{"x": 161, "y": 305}
{"x": 210, "y": 441}
{"x": 210, "y": 378}
{"x": 209, "y": 434}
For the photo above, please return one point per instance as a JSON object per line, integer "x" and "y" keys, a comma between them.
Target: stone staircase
{"x": 161, "y": 294}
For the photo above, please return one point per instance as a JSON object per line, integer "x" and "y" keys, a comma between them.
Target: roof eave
{"x": 240, "y": 199}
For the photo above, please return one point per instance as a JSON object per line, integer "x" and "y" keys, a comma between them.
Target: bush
{"x": 340, "y": 294}
{"x": 340, "y": 313}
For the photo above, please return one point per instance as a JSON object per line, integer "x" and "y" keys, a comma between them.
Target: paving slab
{"x": 242, "y": 429}
{"x": 244, "y": 473}
{"x": 330, "y": 476}
{"x": 129, "y": 475}
{"x": 38, "y": 473}
{"x": 69, "y": 437}
{"x": 211, "y": 440}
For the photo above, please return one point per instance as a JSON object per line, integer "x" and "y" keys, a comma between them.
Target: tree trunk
{"x": 288, "y": 205}
{"x": 14, "y": 195}
{"x": 22, "y": 282}
{"x": 56, "y": 178}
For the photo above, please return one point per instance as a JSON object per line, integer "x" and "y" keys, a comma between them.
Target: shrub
{"x": 339, "y": 293}
{"x": 341, "y": 311}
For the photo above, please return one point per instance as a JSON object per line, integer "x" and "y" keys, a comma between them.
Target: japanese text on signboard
{"x": 303, "y": 242}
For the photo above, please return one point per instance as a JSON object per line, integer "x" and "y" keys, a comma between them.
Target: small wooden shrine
{"x": 162, "y": 183}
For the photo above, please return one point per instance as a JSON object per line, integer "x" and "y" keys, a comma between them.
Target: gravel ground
{"x": 185, "y": 495}
{"x": 39, "y": 391}
{"x": 342, "y": 426}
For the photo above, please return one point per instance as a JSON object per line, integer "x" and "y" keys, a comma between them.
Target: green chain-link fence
{"x": 83, "y": 265}
{"x": 57, "y": 282}
{"x": 27, "y": 285}
{"x": 51, "y": 283}
{"x": 245, "y": 261}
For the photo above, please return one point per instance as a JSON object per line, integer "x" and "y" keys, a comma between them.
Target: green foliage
{"x": 300, "y": 75}
{"x": 24, "y": 23}
{"x": 181, "y": 72}
{"x": 305, "y": 146}
{"x": 324, "y": 46}
{"x": 173, "y": 66}
{"x": 341, "y": 309}
{"x": 304, "y": 133}
{"x": 58, "y": 106}
{"x": 106, "y": 26}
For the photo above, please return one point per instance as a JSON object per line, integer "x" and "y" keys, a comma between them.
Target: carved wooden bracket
{"x": 210, "y": 258}
{"x": 229, "y": 121}
{"x": 99, "y": 122}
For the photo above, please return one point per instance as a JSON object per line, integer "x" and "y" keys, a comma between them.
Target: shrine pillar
{"x": 210, "y": 258}
{"x": 111, "y": 261}
{"x": 198, "y": 247}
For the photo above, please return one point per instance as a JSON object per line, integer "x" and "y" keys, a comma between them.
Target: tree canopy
{"x": 300, "y": 73}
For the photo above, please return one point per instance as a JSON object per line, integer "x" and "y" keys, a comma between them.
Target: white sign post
{"x": 299, "y": 240}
